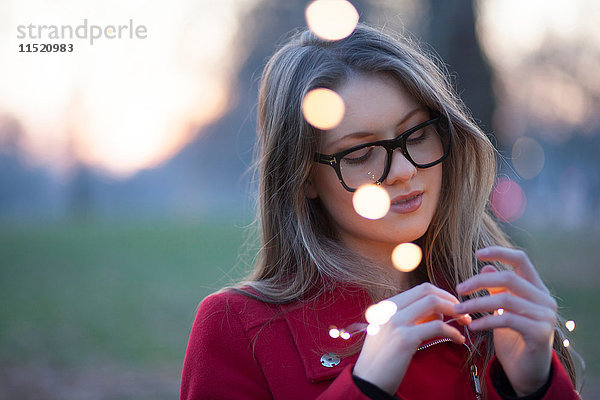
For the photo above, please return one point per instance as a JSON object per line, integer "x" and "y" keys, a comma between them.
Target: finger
{"x": 424, "y": 308}
{"x": 408, "y": 297}
{"x": 431, "y": 317}
{"x": 462, "y": 319}
{"x": 503, "y": 280}
{"x": 486, "y": 269}
{"x": 515, "y": 257}
{"x": 433, "y": 329}
{"x": 508, "y": 302}
{"x": 527, "y": 327}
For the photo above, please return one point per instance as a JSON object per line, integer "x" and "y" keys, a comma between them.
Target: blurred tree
{"x": 79, "y": 206}
{"x": 451, "y": 31}
{"x": 26, "y": 190}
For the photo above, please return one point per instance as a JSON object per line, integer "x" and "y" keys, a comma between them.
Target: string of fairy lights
{"x": 324, "y": 109}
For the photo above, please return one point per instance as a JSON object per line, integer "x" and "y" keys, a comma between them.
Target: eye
{"x": 359, "y": 156}
{"x": 420, "y": 136}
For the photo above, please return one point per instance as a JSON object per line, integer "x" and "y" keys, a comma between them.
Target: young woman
{"x": 321, "y": 265}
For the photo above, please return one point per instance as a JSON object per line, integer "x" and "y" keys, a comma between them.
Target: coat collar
{"x": 309, "y": 323}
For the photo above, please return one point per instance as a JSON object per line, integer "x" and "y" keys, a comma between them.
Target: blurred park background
{"x": 124, "y": 192}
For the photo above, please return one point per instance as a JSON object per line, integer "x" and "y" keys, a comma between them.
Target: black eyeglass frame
{"x": 390, "y": 145}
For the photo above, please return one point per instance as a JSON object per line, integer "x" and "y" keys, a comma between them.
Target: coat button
{"x": 330, "y": 360}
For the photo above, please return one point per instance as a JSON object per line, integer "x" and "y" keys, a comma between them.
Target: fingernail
{"x": 459, "y": 307}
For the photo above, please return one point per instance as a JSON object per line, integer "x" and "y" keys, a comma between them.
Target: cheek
{"x": 333, "y": 195}
{"x": 336, "y": 200}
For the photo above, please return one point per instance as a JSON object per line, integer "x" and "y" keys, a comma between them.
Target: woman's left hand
{"x": 524, "y": 330}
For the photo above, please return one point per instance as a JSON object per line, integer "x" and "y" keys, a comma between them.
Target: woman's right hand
{"x": 385, "y": 357}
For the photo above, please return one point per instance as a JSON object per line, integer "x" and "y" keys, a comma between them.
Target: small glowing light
{"x": 344, "y": 335}
{"x": 500, "y": 311}
{"x": 508, "y": 200}
{"x": 371, "y": 201}
{"x": 388, "y": 307}
{"x": 331, "y": 19}
{"x": 566, "y": 343}
{"x": 570, "y": 325}
{"x": 528, "y": 157}
{"x": 406, "y": 256}
{"x": 380, "y": 313}
{"x": 334, "y": 333}
{"x": 323, "y": 108}
{"x": 373, "y": 329}
{"x": 430, "y": 317}
{"x": 373, "y": 315}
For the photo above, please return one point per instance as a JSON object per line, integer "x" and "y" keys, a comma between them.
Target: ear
{"x": 309, "y": 190}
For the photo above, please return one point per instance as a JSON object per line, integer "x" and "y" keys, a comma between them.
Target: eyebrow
{"x": 367, "y": 133}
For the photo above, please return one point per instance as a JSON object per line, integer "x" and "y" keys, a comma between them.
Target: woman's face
{"x": 377, "y": 107}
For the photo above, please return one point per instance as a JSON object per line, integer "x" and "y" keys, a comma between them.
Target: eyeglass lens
{"x": 367, "y": 165}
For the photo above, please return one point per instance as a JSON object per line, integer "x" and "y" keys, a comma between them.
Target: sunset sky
{"x": 126, "y": 104}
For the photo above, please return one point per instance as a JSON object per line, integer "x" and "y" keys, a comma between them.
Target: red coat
{"x": 241, "y": 348}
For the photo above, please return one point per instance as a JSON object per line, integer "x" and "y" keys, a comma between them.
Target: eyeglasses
{"x": 424, "y": 145}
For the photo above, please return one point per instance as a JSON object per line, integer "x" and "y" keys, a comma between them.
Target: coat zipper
{"x": 473, "y": 368}
{"x": 476, "y": 383}
{"x": 433, "y": 343}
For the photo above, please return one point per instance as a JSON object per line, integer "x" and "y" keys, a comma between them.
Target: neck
{"x": 381, "y": 255}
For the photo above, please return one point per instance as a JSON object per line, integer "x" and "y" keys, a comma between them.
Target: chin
{"x": 411, "y": 233}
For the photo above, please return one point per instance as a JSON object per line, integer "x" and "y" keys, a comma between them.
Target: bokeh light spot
{"x": 323, "y": 108}
{"x": 334, "y": 333}
{"x": 566, "y": 343}
{"x": 388, "y": 307}
{"x": 345, "y": 335}
{"x": 570, "y": 325}
{"x": 508, "y": 200}
{"x": 373, "y": 329}
{"x": 500, "y": 311}
{"x": 380, "y": 313}
{"x": 528, "y": 157}
{"x": 331, "y": 19}
{"x": 371, "y": 201}
{"x": 406, "y": 256}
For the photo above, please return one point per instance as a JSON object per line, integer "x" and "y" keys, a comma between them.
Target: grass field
{"x": 103, "y": 312}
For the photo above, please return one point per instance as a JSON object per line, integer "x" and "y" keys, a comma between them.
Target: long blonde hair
{"x": 299, "y": 255}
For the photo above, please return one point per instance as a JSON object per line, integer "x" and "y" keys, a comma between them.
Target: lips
{"x": 408, "y": 203}
{"x": 403, "y": 198}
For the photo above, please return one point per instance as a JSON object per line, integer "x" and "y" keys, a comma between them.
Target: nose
{"x": 401, "y": 170}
